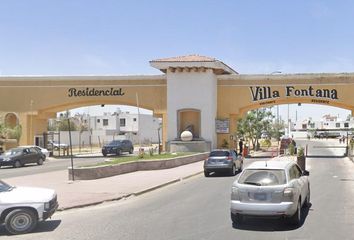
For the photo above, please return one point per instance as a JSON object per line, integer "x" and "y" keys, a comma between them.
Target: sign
{"x": 222, "y": 126}
{"x": 259, "y": 93}
{"x": 93, "y": 92}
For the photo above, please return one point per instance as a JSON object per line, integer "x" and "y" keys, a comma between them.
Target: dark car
{"x": 20, "y": 156}
{"x": 223, "y": 160}
{"x": 117, "y": 147}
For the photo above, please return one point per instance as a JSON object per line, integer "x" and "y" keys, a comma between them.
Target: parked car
{"x": 55, "y": 145}
{"x": 22, "y": 207}
{"x": 223, "y": 160}
{"x": 20, "y": 156}
{"x": 275, "y": 188}
{"x": 117, "y": 147}
{"x": 43, "y": 150}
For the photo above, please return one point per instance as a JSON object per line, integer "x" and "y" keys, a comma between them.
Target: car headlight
{"x": 7, "y": 159}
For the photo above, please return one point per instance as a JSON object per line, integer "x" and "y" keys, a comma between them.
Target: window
{"x": 134, "y": 119}
{"x": 346, "y": 125}
{"x": 337, "y": 125}
{"x": 122, "y": 122}
{"x": 294, "y": 172}
{"x": 219, "y": 154}
{"x": 98, "y": 120}
{"x": 263, "y": 177}
{"x": 105, "y": 122}
{"x": 312, "y": 125}
{"x": 32, "y": 150}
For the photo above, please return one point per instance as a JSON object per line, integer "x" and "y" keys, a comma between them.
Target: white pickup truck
{"x": 22, "y": 207}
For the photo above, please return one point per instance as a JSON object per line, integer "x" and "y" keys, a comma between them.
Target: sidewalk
{"x": 269, "y": 153}
{"x": 84, "y": 193}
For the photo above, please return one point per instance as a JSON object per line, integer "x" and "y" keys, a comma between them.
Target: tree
{"x": 277, "y": 130}
{"x": 15, "y": 133}
{"x": 10, "y": 133}
{"x": 253, "y": 124}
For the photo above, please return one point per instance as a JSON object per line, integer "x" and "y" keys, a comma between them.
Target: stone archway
{"x": 189, "y": 119}
{"x": 11, "y": 120}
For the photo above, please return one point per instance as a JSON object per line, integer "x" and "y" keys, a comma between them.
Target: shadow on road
{"x": 221, "y": 175}
{"x": 46, "y": 226}
{"x": 270, "y": 224}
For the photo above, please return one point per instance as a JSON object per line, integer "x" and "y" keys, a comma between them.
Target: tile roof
{"x": 187, "y": 58}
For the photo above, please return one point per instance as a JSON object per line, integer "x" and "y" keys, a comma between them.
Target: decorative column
{"x": 192, "y": 84}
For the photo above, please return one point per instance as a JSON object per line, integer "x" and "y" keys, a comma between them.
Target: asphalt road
{"x": 198, "y": 208}
{"x": 51, "y": 164}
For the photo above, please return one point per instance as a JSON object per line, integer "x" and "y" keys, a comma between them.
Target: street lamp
{"x": 277, "y": 72}
{"x": 71, "y": 151}
{"x": 158, "y": 135}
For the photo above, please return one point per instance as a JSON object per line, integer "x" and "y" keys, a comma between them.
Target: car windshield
{"x": 219, "y": 154}
{"x": 13, "y": 151}
{"x": 262, "y": 177}
{"x": 114, "y": 143}
{"x": 4, "y": 186}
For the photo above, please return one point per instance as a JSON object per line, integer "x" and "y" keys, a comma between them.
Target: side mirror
{"x": 305, "y": 173}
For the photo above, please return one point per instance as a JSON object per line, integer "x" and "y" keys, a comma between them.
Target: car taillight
{"x": 229, "y": 158}
{"x": 288, "y": 194}
{"x": 235, "y": 195}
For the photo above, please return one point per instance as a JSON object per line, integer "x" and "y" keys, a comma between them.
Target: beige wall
{"x": 37, "y": 99}
{"x": 235, "y": 96}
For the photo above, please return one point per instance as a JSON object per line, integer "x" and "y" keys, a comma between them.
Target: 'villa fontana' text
{"x": 265, "y": 93}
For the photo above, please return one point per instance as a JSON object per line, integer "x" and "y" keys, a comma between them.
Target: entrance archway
{"x": 189, "y": 119}
{"x": 11, "y": 120}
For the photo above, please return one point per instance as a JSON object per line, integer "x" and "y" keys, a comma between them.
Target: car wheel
{"x": 17, "y": 164}
{"x": 104, "y": 154}
{"x": 241, "y": 167}
{"x": 40, "y": 161}
{"x": 233, "y": 171}
{"x": 236, "y": 218}
{"x": 206, "y": 173}
{"x": 296, "y": 218}
{"x": 119, "y": 152}
{"x": 131, "y": 151}
{"x": 20, "y": 221}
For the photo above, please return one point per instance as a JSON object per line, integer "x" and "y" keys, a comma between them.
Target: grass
{"x": 147, "y": 156}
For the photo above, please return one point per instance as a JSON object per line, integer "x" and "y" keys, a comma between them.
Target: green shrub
{"x": 141, "y": 153}
{"x": 151, "y": 151}
{"x": 266, "y": 143}
{"x": 224, "y": 144}
{"x": 291, "y": 149}
{"x": 300, "y": 152}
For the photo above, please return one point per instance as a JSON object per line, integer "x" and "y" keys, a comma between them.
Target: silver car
{"x": 276, "y": 188}
{"x": 223, "y": 160}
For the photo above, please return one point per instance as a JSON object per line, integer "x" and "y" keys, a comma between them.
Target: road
{"x": 51, "y": 164}
{"x": 198, "y": 208}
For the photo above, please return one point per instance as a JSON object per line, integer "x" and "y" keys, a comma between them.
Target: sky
{"x": 113, "y": 37}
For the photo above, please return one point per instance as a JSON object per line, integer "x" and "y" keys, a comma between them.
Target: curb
{"x": 132, "y": 194}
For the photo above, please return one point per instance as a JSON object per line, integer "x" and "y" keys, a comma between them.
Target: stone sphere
{"x": 186, "y": 136}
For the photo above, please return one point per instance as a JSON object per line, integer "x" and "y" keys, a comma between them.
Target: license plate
{"x": 260, "y": 196}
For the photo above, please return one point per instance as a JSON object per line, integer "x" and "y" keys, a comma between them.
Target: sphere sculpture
{"x": 186, "y": 136}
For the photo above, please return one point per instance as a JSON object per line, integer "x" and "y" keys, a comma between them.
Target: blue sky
{"x": 106, "y": 37}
